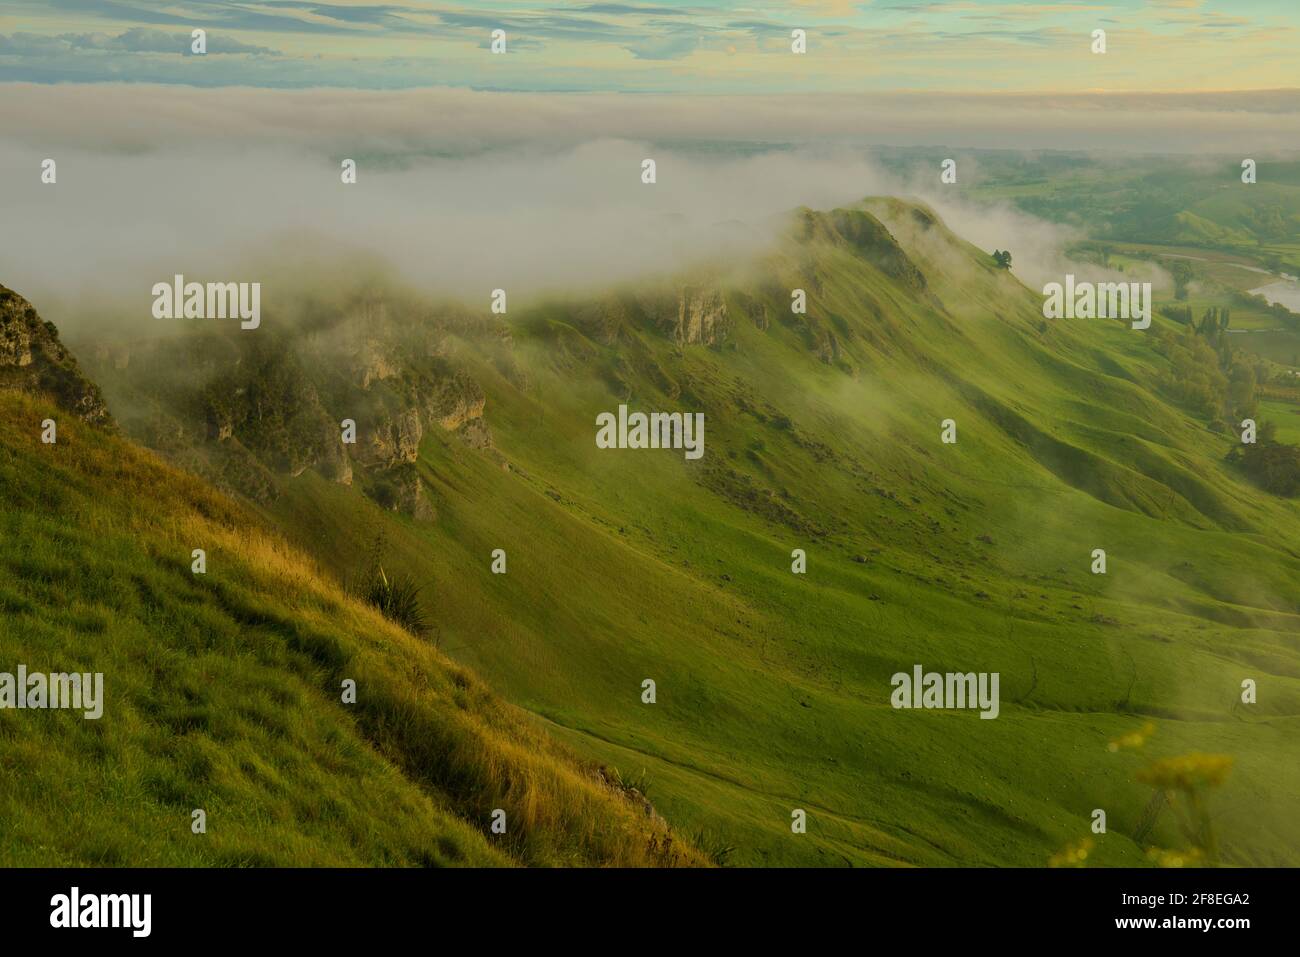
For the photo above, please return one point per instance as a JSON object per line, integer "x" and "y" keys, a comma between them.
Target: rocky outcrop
{"x": 401, "y": 490}
{"x": 701, "y": 317}
{"x": 455, "y": 401}
{"x": 476, "y": 434}
{"x": 266, "y": 400}
{"x": 34, "y": 360}
{"x": 391, "y": 441}
{"x": 336, "y": 466}
{"x": 372, "y": 364}
{"x": 248, "y": 410}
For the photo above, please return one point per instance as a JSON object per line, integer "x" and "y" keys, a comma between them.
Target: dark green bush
{"x": 398, "y": 599}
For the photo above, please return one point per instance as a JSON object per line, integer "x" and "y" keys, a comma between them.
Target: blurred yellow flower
{"x": 1074, "y": 854}
{"x": 1186, "y": 772}
{"x": 1134, "y": 739}
{"x": 1162, "y": 857}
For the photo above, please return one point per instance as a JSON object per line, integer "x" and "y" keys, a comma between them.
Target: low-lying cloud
{"x": 514, "y": 193}
{"x": 525, "y": 221}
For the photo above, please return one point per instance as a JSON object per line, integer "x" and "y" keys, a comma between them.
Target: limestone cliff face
{"x": 401, "y": 490}
{"x": 33, "y": 359}
{"x": 391, "y": 440}
{"x": 374, "y": 365}
{"x": 701, "y": 317}
{"x": 390, "y": 432}
{"x": 335, "y": 464}
{"x": 455, "y": 402}
{"x": 248, "y": 410}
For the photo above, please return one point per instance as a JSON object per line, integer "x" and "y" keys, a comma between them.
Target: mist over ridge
{"x": 218, "y": 193}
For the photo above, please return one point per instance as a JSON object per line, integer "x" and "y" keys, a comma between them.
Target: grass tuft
{"x": 397, "y": 597}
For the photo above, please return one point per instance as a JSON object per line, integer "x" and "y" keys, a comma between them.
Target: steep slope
{"x": 823, "y": 434}
{"x": 223, "y": 691}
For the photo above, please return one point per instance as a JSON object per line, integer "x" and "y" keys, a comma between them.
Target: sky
{"x": 477, "y": 169}
{"x": 661, "y": 46}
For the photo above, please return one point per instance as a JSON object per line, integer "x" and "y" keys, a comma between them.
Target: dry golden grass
{"x": 446, "y": 732}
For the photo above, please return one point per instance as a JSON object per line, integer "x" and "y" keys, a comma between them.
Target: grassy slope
{"x": 1285, "y": 416}
{"x": 774, "y": 688}
{"x": 222, "y": 693}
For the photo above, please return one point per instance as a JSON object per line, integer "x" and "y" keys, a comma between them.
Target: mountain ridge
{"x": 824, "y": 434}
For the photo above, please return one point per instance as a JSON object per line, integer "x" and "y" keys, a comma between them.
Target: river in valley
{"x": 1285, "y": 291}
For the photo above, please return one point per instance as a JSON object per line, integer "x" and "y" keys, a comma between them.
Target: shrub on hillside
{"x": 1273, "y": 466}
{"x": 398, "y": 599}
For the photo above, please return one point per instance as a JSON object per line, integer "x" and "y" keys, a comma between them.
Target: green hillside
{"x": 223, "y": 692}
{"x": 823, "y": 434}
{"x": 1166, "y": 200}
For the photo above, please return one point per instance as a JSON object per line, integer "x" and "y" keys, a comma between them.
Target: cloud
{"x": 379, "y": 15}
{"x": 525, "y": 192}
{"x": 31, "y": 44}
{"x": 672, "y": 47}
{"x": 830, "y": 8}
{"x": 615, "y": 45}
{"x": 135, "y": 40}
{"x": 144, "y": 40}
{"x": 136, "y": 117}
{"x": 111, "y": 10}
{"x": 628, "y": 9}
{"x": 523, "y": 218}
{"x": 197, "y": 13}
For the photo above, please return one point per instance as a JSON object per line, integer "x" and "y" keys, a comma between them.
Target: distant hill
{"x": 1161, "y": 200}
